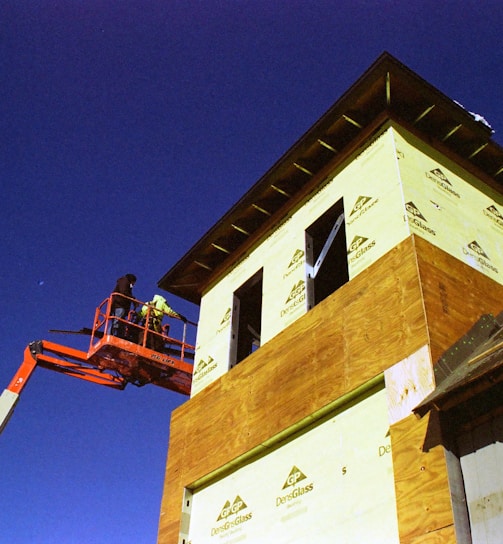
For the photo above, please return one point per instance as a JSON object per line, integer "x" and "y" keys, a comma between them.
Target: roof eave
{"x": 388, "y": 89}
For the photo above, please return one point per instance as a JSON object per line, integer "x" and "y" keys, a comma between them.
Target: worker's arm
{"x": 168, "y": 310}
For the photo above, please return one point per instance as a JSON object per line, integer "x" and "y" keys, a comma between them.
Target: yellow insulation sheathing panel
{"x": 451, "y": 208}
{"x": 284, "y": 290}
{"x": 373, "y": 204}
{"x": 212, "y": 343}
{"x": 375, "y": 233}
{"x": 211, "y": 363}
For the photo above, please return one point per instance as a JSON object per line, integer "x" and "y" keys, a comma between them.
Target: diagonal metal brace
{"x": 327, "y": 245}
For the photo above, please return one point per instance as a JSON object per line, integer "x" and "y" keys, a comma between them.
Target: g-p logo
{"x": 229, "y": 510}
{"x": 475, "y": 247}
{"x": 356, "y": 243}
{"x": 295, "y": 476}
{"x": 237, "y": 506}
{"x": 362, "y": 200}
{"x": 412, "y": 209}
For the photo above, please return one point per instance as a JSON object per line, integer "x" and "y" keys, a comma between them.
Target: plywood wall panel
{"x": 455, "y": 296}
{"x": 421, "y": 485}
{"x": 393, "y": 323}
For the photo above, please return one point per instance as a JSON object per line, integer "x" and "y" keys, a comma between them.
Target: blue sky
{"x": 127, "y": 130}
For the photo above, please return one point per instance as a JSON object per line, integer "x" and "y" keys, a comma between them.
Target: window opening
{"x": 246, "y": 319}
{"x": 326, "y": 255}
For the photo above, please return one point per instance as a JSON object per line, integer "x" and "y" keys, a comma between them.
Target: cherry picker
{"x": 141, "y": 355}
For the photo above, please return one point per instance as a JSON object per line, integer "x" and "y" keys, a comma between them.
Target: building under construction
{"x": 347, "y": 376}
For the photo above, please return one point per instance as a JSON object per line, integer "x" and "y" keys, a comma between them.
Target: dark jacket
{"x": 123, "y": 286}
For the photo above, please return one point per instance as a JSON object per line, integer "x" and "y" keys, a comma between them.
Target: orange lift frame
{"x": 112, "y": 361}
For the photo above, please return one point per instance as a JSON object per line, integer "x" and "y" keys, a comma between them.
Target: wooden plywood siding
{"x": 368, "y": 325}
{"x": 421, "y": 485}
{"x": 455, "y": 296}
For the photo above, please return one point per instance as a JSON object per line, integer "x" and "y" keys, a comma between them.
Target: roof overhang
{"x": 472, "y": 366}
{"x": 387, "y": 90}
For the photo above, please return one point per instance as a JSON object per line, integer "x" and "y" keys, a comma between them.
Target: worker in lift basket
{"x": 121, "y": 305}
{"x": 158, "y": 308}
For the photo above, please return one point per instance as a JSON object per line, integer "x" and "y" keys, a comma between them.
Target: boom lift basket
{"x": 140, "y": 355}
